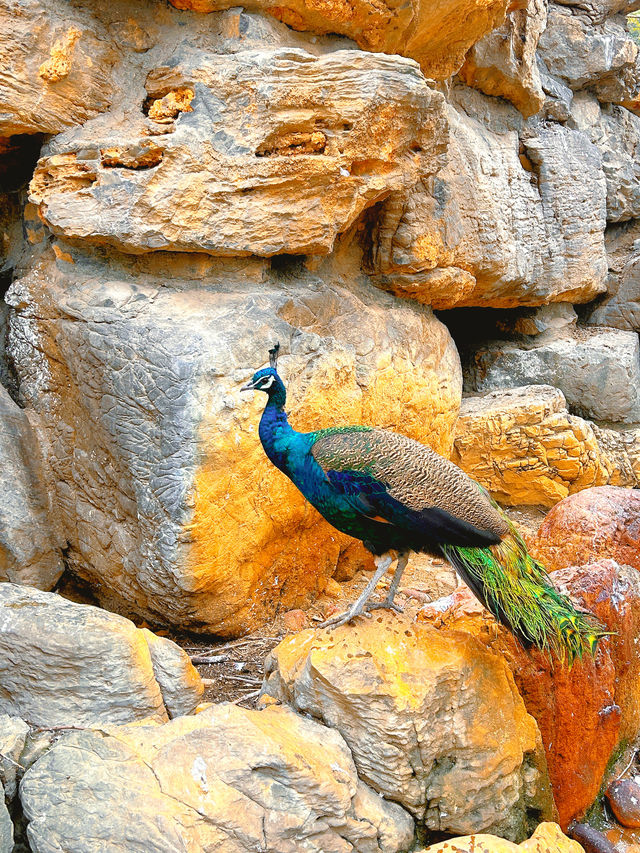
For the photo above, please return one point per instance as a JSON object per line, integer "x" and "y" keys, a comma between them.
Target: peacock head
{"x": 267, "y": 379}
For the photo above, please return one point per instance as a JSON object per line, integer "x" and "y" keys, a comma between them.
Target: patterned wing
{"x": 390, "y": 472}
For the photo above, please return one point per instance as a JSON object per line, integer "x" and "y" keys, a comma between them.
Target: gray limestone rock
{"x": 13, "y": 734}
{"x": 63, "y": 663}
{"x": 620, "y": 308}
{"x": 6, "y": 826}
{"x": 29, "y": 536}
{"x": 228, "y": 779}
{"x": 602, "y": 57}
{"x": 598, "y": 10}
{"x": 597, "y": 370}
{"x": 181, "y": 686}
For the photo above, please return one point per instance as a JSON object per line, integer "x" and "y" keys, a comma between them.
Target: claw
{"x": 385, "y": 605}
{"x": 344, "y": 618}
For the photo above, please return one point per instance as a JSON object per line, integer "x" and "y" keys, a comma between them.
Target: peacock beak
{"x": 248, "y": 387}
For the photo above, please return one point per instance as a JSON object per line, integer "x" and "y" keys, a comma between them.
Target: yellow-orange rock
{"x": 583, "y": 712}
{"x": 595, "y": 524}
{"x": 433, "y": 720}
{"x": 548, "y": 838}
{"x": 436, "y": 33}
{"x": 504, "y": 62}
{"x": 170, "y": 508}
{"x": 524, "y": 447}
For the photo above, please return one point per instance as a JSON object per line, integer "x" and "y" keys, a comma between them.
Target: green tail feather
{"x": 519, "y": 593}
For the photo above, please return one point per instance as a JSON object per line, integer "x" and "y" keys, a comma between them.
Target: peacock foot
{"x": 357, "y": 609}
{"x": 385, "y": 605}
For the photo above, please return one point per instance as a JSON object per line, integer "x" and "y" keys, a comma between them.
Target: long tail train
{"x": 518, "y": 592}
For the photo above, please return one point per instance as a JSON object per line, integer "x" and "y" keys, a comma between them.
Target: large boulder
{"x": 434, "y": 722}
{"x": 524, "y": 447}
{"x": 30, "y": 540}
{"x": 584, "y": 712}
{"x": 592, "y": 525}
{"x": 504, "y": 222}
{"x": 168, "y": 503}
{"x": 225, "y": 779}
{"x": 235, "y": 147}
{"x": 597, "y": 369}
{"x": 57, "y": 66}
{"x": 65, "y": 664}
{"x": 436, "y": 34}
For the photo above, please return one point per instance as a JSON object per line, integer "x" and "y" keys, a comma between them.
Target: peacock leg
{"x": 403, "y": 559}
{"x": 358, "y": 608}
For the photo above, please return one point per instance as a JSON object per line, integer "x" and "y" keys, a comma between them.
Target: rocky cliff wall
{"x": 184, "y": 186}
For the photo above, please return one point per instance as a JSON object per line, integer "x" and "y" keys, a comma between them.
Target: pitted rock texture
{"x": 524, "y": 447}
{"x": 616, "y": 133}
{"x": 56, "y": 66}
{"x": 597, "y": 370}
{"x": 29, "y": 539}
{"x": 64, "y": 664}
{"x": 504, "y": 62}
{"x": 594, "y": 524}
{"x": 247, "y": 143}
{"x": 597, "y": 10}
{"x": 600, "y": 57}
{"x": 547, "y": 837}
{"x": 620, "y": 307}
{"x": 436, "y": 34}
{"x": 225, "y": 779}
{"x": 433, "y": 721}
{"x": 505, "y": 222}
{"x": 585, "y": 712}
{"x": 168, "y": 503}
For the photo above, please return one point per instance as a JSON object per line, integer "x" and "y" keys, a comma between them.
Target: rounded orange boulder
{"x": 591, "y": 525}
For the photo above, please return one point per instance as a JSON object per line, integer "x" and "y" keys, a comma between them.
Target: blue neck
{"x": 275, "y": 430}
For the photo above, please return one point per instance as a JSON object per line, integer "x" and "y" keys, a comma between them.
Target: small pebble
{"x": 624, "y": 799}
{"x": 295, "y": 620}
{"x": 333, "y": 589}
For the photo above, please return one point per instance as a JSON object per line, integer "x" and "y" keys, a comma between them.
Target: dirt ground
{"x": 232, "y": 670}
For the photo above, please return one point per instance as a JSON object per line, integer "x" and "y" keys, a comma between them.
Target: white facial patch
{"x": 267, "y": 383}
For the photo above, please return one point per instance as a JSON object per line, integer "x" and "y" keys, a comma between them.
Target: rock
{"x": 597, "y": 370}
{"x": 601, "y": 57}
{"x": 227, "y": 779}
{"x": 620, "y": 307}
{"x": 437, "y": 35}
{"x": 432, "y": 720}
{"x": 256, "y": 138}
{"x": 525, "y": 448}
{"x": 598, "y": 10}
{"x": 547, "y": 837}
{"x": 13, "y": 734}
{"x": 503, "y": 63}
{"x": 65, "y": 664}
{"x": 29, "y": 539}
{"x": 57, "y": 66}
{"x": 503, "y": 223}
{"x": 295, "y": 620}
{"x": 558, "y": 100}
{"x": 585, "y": 712}
{"x": 180, "y": 684}
{"x": 592, "y": 525}
{"x": 169, "y": 505}
{"x": 6, "y": 826}
{"x": 616, "y": 133}
{"x": 623, "y": 796}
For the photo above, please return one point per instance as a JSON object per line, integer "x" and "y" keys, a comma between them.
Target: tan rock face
{"x": 56, "y": 67}
{"x": 80, "y": 665}
{"x": 503, "y": 222}
{"x": 547, "y": 837}
{"x": 594, "y": 524}
{"x": 583, "y": 712}
{"x": 168, "y": 502}
{"x": 524, "y": 447}
{"x": 226, "y": 779}
{"x": 504, "y": 63}
{"x": 240, "y": 146}
{"x": 432, "y": 720}
{"x": 435, "y": 34}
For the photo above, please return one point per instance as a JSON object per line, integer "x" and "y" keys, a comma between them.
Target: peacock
{"x": 396, "y": 495}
